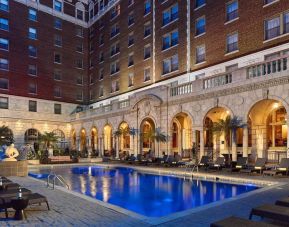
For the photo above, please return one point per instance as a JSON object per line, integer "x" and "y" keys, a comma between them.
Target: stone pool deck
{"x": 68, "y": 209}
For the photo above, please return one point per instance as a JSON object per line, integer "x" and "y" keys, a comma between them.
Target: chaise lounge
{"x": 274, "y": 212}
{"x": 219, "y": 164}
{"x": 239, "y": 222}
{"x": 241, "y": 164}
{"x": 281, "y": 169}
{"x": 258, "y": 167}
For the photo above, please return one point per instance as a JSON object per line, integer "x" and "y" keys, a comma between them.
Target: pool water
{"x": 146, "y": 194}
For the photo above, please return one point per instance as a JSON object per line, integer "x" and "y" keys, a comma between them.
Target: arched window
{"x": 175, "y": 135}
{"x": 31, "y": 136}
{"x": 79, "y": 11}
{"x": 60, "y": 134}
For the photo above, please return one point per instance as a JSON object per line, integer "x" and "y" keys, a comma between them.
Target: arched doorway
{"x": 94, "y": 139}
{"x": 216, "y": 144}
{"x": 124, "y": 140}
{"x": 73, "y": 139}
{"x": 107, "y": 140}
{"x": 181, "y": 131}
{"x": 61, "y": 143}
{"x": 268, "y": 121}
{"x": 31, "y": 137}
{"x": 147, "y": 129}
{"x": 83, "y": 140}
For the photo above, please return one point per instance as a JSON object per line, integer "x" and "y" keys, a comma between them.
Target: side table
{"x": 19, "y": 205}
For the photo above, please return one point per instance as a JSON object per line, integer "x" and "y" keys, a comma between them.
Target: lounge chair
{"x": 241, "y": 164}
{"x": 283, "y": 202}
{"x": 204, "y": 161}
{"x": 258, "y": 167}
{"x": 239, "y": 222}
{"x": 33, "y": 198}
{"x": 274, "y": 212}
{"x": 282, "y": 168}
{"x": 218, "y": 164}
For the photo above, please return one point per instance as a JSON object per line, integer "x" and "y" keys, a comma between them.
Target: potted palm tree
{"x": 228, "y": 127}
{"x": 48, "y": 139}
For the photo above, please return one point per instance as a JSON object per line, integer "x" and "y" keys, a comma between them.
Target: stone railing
{"x": 243, "y": 76}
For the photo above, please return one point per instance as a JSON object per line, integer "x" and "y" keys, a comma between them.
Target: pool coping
{"x": 265, "y": 184}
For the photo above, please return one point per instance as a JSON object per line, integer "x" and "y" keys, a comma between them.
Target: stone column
{"x": 117, "y": 147}
{"x": 234, "y": 151}
{"x": 202, "y": 145}
{"x": 287, "y": 137}
{"x": 245, "y": 141}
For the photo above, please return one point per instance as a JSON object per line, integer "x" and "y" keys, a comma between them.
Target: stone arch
{"x": 268, "y": 128}
{"x": 82, "y": 139}
{"x": 31, "y": 136}
{"x": 108, "y": 139}
{"x": 181, "y": 134}
{"x": 146, "y": 97}
{"x": 73, "y": 138}
{"x": 124, "y": 139}
{"x": 147, "y": 126}
{"x": 94, "y": 138}
{"x": 79, "y": 11}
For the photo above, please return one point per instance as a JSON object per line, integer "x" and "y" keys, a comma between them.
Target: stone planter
{"x": 33, "y": 162}
{"x": 19, "y": 169}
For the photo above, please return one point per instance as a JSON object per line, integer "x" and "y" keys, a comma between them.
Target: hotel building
{"x": 85, "y": 69}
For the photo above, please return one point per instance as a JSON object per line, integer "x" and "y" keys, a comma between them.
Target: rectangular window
{"x": 3, "y": 83}
{"x": 79, "y": 80}
{"x": 32, "y": 88}
{"x": 100, "y": 74}
{"x": 57, "y": 74}
{"x": 147, "y": 30}
{"x": 115, "y": 11}
{"x": 79, "y": 47}
{"x": 147, "y": 51}
{"x": 147, "y": 7}
{"x": 114, "y": 86}
{"x": 101, "y": 39}
{"x": 57, "y": 92}
{"x": 170, "y": 64}
{"x": 147, "y": 74}
{"x": 79, "y": 95}
{"x": 199, "y": 3}
{"x": 100, "y": 91}
{"x": 4, "y": 64}
{"x": 114, "y": 67}
{"x": 57, "y": 58}
{"x": 232, "y": 42}
{"x": 32, "y": 70}
{"x": 32, "y": 51}
{"x": 79, "y": 63}
{"x": 4, "y": 5}
{"x": 58, "y": 6}
{"x": 57, "y": 108}
{"x": 114, "y": 49}
{"x": 232, "y": 10}
{"x": 4, "y": 24}
{"x": 200, "y": 26}
{"x": 286, "y": 22}
{"x": 272, "y": 28}
{"x": 57, "y": 23}
{"x": 32, "y": 14}
{"x": 130, "y": 60}
{"x": 79, "y": 14}
{"x": 268, "y": 1}
{"x": 171, "y": 15}
{"x": 3, "y": 103}
{"x": 170, "y": 40}
{"x": 200, "y": 54}
{"x": 79, "y": 32}
{"x": 130, "y": 39}
{"x": 32, "y": 106}
{"x": 130, "y": 19}
{"x": 32, "y": 33}
{"x": 57, "y": 40}
{"x": 130, "y": 79}
{"x": 101, "y": 57}
{"x": 114, "y": 30}
{"x": 4, "y": 44}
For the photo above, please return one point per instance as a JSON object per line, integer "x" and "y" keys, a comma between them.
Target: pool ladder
{"x": 55, "y": 177}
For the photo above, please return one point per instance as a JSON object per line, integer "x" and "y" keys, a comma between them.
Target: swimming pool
{"x": 146, "y": 194}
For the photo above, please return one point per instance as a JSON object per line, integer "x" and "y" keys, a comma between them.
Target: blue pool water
{"x": 146, "y": 194}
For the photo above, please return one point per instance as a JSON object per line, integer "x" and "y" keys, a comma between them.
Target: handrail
{"x": 55, "y": 176}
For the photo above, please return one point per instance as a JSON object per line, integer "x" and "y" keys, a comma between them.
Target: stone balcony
{"x": 256, "y": 75}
